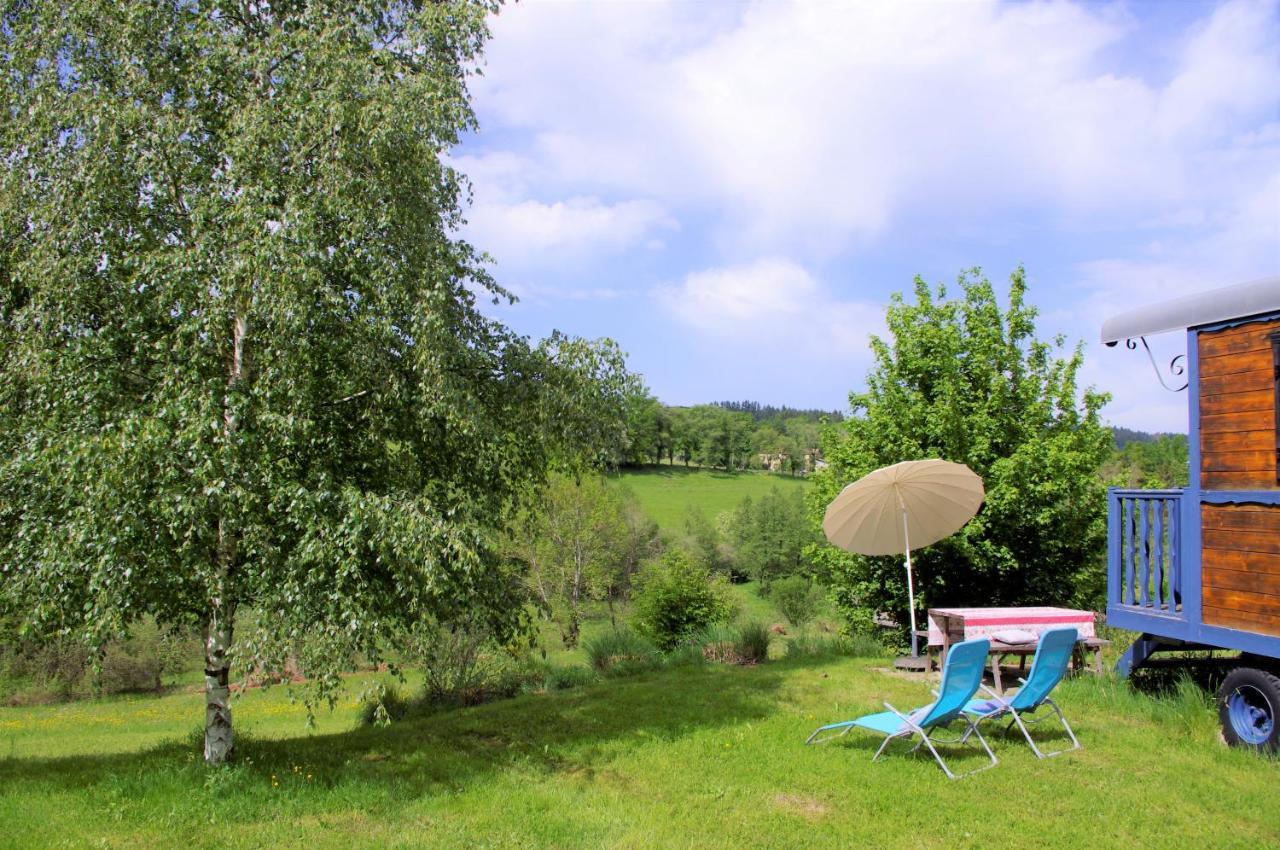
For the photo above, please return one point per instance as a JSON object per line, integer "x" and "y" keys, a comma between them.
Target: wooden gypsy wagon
{"x": 1199, "y": 568}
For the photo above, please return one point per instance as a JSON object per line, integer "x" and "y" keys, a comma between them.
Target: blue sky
{"x": 733, "y": 190}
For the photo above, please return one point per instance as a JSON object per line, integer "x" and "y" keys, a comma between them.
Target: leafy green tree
{"x": 685, "y": 434}
{"x": 584, "y": 398}
{"x": 804, "y": 440}
{"x": 242, "y": 369}
{"x": 676, "y": 598}
{"x": 770, "y": 536}
{"x": 704, "y": 542}
{"x": 577, "y": 547}
{"x": 649, "y": 429}
{"x": 964, "y": 380}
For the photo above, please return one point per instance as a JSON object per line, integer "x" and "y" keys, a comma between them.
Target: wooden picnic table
{"x": 952, "y": 625}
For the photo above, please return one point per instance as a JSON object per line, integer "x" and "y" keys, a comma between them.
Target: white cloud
{"x": 772, "y": 305}
{"x": 817, "y": 131}
{"x": 533, "y": 232}
{"x": 812, "y": 125}
{"x": 1208, "y": 251}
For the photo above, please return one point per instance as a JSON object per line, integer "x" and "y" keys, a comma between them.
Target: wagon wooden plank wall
{"x": 1240, "y": 559}
{"x": 1238, "y": 408}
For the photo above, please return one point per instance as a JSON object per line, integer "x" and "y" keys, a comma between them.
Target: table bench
{"x": 949, "y": 625}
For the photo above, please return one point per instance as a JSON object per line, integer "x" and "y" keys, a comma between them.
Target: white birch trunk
{"x": 219, "y": 742}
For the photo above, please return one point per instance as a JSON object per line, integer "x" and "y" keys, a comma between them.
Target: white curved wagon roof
{"x": 1216, "y": 305}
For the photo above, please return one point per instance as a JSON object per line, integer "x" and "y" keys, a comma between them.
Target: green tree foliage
{"x": 1149, "y": 464}
{"x": 705, "y": 544}
{"x": 649, "y": 429}
{"x": 686, "y": 436}
{"x": 770, "y": 536}
{"x": 580, "y": 542}
{"x": 963, "y": 380}
{"x": 675, "y": 598}
{"x": 797, "y": 598}
{"x": 584, "y": 395}
{"x": 241, "y": 362}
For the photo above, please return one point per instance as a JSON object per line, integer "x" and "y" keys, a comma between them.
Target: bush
{"x": 676, "y": 599}
{"x": 124, "y": 672}
{"x": 460, "y": 664}
{"x": 621, "y": 653}
{"x": 719, "y": 643}
{"x": 61, "y": 669}
{"x": 797, "y": 598}
{"x": 383, "y": 705}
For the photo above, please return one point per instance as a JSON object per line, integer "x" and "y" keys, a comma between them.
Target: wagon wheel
{"x": 1248, "y": 705}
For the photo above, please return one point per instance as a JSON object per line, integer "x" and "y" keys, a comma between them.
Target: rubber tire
{"x": 1265, "y": 683}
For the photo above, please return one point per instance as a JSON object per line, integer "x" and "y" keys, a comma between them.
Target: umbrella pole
{"x": 911, "y": 592}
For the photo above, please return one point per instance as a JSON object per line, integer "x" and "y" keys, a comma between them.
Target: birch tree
{"x": 244, "y": 381}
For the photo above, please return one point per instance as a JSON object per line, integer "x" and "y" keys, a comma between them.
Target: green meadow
{"x": 667, "y": 492}
{"x": 696, "y": 755}
{"x": 703, "y": 756}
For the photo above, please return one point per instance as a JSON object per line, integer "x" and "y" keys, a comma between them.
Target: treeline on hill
{"x": 1147, "y": 461}
{"x": 724, "y": 435}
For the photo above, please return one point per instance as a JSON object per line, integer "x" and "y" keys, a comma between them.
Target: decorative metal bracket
{"x": 1177, "y": 365}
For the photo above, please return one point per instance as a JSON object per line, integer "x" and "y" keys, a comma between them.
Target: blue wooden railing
{"x": 1144, "y": 562}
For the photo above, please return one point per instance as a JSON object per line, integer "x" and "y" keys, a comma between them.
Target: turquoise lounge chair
{"x": 1053, "y": 656}
{"x": 961, "y": 675}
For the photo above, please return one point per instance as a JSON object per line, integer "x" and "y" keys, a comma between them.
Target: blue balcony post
{"x": 1175, "y": 559}
{"x": 1114, "y": 509}
{"x": 1144, "y": 547}
{"x": 1128, "y": 593}
{"x": 1157, "y": 584}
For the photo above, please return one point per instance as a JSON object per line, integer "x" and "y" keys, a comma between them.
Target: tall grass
{"x": 621, "y": 652}
{"x": 809, "y": 644}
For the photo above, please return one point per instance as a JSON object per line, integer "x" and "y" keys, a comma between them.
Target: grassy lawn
{"x": 696, "y": 757}
{"x": 666, "y": 492}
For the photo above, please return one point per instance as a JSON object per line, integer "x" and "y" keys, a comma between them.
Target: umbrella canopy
{"x": 937, "y": 496}
{"x": 903, "y": 507}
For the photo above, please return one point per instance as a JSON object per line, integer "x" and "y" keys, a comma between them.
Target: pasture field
{"x": 666, "y": 492}
{"x": 702, "y": 756}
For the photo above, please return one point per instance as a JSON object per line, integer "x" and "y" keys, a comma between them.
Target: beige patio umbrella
{"x": 903, "y": 507}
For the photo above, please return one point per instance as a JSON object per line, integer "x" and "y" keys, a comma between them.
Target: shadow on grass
{"x": 532, "y": 734}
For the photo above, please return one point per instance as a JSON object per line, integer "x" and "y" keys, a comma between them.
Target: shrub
{"x": 622, "y": 652}
{"x": 753, "y": 642}
{"x": 124, "y": 672}
{"x": 676, "y": 598}
{"x": 460, "y": 664}
{"x": 383, "y": 705}
{"x": 797, "y": 598}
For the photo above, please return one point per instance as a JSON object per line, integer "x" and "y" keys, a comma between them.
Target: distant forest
{"x": 1125, "y": 436}
{"x": 726, "y": 435}
{"x": 752, "y": 435}
{"x": 764, "y": 412}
